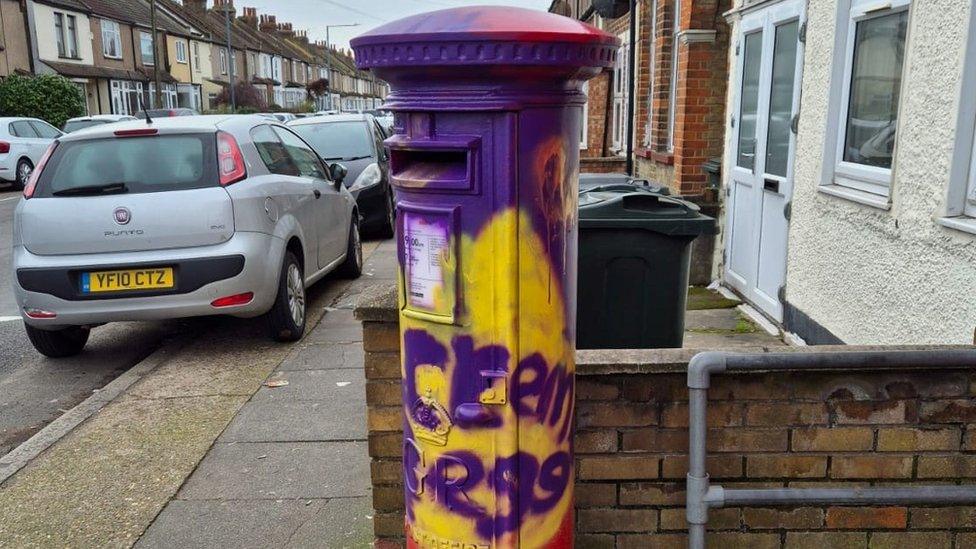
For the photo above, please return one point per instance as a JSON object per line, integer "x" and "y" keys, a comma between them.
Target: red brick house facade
{"x": 680, "y": 91}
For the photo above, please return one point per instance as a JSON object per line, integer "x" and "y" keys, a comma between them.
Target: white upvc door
{"x": 762, "y": 141}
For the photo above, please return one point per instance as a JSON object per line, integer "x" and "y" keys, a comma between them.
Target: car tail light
{"x": 39, "y": 313}
{"x": 36, "y": 174}
{"x": 4, "y": 147}
{"x": 231, "y": 300}
{"x": 136, "y": 132}
{"x": 229, "y": 159}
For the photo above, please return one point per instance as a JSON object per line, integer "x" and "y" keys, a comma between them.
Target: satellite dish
{"x": 611, "y": 9}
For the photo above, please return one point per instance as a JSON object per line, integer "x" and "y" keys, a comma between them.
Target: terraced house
{"x": 106, "y": 48}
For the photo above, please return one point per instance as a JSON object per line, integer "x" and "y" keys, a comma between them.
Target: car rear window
{"x": 144, "y": 164}
{"x": 81, "y": 124}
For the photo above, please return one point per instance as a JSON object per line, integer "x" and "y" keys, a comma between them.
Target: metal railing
{"x": 702, "y": 495}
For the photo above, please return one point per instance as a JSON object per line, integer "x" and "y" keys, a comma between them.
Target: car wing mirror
{"x": 338, "y": 173}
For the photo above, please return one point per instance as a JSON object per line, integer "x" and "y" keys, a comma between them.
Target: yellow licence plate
{"x": 126, "y": 280}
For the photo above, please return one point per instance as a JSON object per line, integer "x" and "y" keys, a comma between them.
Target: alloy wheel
{"x": 357, "y": 245}
{"x": 24, "y": 172}
{"x": 296, "y": 295}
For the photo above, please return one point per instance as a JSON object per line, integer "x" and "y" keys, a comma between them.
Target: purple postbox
{"x": 485, "y": 162}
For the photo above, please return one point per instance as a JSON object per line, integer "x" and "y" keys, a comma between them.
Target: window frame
{"x": 960, "y": 203}
{"x": 143, "y": 36}
{"x": 59, "y": 34}
{"x": 196, "y": 56}
{"x": 585, "y": 117}
{"x": 114, "y": 32}
{"x": 180, "y": 50}
{"x": 222, "y": 60}
{"x": 618, "y": 97}
{"x": 870, "y": 185}
{"x": 673, "y": 80}
{"x": 72, "y": 34}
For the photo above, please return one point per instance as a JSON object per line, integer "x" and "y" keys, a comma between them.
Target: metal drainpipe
{"x": 701, "y": 496}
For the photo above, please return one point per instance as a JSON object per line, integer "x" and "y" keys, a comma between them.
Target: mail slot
{"x": 487, "y": 108}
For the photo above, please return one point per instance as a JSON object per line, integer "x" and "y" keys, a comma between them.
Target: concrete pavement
{"x": 35, "y": 390}
{"x": 200, "y": 453}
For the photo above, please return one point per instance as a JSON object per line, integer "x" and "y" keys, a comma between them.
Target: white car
{"x": 83, "y": 122}
{"x": 23, "y": 142}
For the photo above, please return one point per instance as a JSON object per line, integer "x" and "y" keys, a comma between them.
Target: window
{"x": 111, "y": 39}
{"x": 335, "y": 141}
{"x": 874, "y": 54}
{"x": 673, "y": 90}
{"x": 45, "y": 130}
{"x": 307, "y": 161}
{"x": 585, "y": 116}
{"x": 180, "y": 51}
{"x": 620, "y": 83}
{"x": 22, "y": 128}
{"x": 960, "y": 210}
{"x": 146, "y": 48}
{"x": 273, "y": 152}
{"x": 66, "y": 34}
{"x": 223, "y": 61}
{"x": 196, "y": 56}
{"x": 161, "y": 163}
{"x": 126, "y": 96}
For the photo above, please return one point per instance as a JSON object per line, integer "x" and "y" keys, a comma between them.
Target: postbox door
{"x": 458, "y": 256}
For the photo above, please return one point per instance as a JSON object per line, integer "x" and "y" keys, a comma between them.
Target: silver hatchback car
{"x": 175, "y": 218}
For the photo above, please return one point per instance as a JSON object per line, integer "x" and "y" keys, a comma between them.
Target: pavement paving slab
{"x": 256, "y": 524}
{"x": 301, "y": 421}
{"x": 262, "y": 470}
{"x": 340, "y": 524}
{"x": 327, "y": 356}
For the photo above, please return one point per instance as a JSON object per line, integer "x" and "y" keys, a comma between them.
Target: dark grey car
{"x": 356, "y": 140}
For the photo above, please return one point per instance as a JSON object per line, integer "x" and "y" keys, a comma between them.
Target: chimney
{"x": 285, "y": 30}
{"x": 302, "y": 37}
{"x": 196, "y": 6}
{"x": 250, "y": 18}
{"x": 222, "y": 6}
{"x": 268, "y": 23}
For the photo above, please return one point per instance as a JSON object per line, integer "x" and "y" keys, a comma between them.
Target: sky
{"x": 313, "y": 15}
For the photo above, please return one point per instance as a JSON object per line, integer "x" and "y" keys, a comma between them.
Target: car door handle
{"x": 317, "y": 193}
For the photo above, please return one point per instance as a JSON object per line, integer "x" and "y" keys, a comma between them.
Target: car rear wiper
{"x": 108, "y": 188}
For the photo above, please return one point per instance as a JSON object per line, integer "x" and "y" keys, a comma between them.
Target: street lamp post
{"x": 328, "y": 48}
{"x": 230, "y": 62}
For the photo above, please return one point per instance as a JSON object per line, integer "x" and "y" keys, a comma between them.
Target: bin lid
{"x": 615, "y": 208}
{"x": 610, "y": 181}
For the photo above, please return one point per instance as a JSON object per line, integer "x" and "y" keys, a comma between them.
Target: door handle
{"x": 317, "y": 193}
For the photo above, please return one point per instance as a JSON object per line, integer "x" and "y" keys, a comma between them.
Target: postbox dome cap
{"x": 485, "y": 35}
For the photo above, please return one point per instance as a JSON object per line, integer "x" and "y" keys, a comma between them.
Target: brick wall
{"x": 868, "y": 427}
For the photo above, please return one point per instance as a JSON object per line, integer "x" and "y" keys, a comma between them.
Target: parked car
{"x": 83, "y": 122}
{"x": 166, "y": 113}
{"x": 22, "y": 145}
{"x": 356, "y": 140}
{"x": 184, "y": 217}
{"x": 279, "y": 116}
